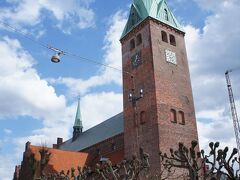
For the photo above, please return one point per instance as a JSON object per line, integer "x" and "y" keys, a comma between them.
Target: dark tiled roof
{"x": 99, "y": 133}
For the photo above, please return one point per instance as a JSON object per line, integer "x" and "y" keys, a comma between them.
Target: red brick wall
{"x": 111, "y": 148}
{"x": 165, "y": 85}
{"x": 173, "y": 89}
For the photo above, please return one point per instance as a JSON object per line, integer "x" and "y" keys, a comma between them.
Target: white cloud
{"x": 58, "y": 121}
{"x": 92, "y": 111}
{"x": 6, "y": 167}
{"x": 17, "y": 72}
{"x": 112, "y": 57}
{"x": 216, "y": 48}
{"x": 212, "y": 125}
{"x": 45, "y": 136}
{"x": 80, "y": 86}
{"x": 211, "y": 51}
{"x": 7, "y": 131}
{"x": 21, "y": 86}
{"x": 213, "y": 5}
{"x": 99, "y": 106}
{"x": 23, "y": 92}
{"x": 69, "y": 14}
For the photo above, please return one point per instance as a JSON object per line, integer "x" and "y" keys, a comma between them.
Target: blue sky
{"x": 38, "y": 99}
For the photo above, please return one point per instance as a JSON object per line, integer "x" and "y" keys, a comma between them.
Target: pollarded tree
{"x": 45, "y": 157}
{"x": 125, "y": 170}
{"x": 216, "y": 164}
{"x": 220, "y": 163}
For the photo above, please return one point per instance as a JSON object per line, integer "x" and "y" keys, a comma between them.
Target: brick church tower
{"x": 158, "y": 102}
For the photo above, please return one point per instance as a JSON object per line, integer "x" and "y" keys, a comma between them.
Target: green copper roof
{"x": 157, "y": 9}
{"x": 99, "y": 133}
{"x": 78, "y": 118}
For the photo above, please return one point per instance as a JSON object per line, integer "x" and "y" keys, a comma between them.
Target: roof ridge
{"x": 54, "y": 149}
{"x": 103, "y": 122}
{"x": 106, "y": 129}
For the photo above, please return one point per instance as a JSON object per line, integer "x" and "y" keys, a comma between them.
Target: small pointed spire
{"x": 78, "y": 127}
{"x": 78, "y": 118}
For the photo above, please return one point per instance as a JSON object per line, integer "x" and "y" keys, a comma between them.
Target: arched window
{"x": 181, "y": 117}
{"x": 143, "y": 117}
{"x": 132, "y": 44}
{"x": 166, "y": 15}
{"x": 164, "y": 36}
{"x": 172, "y": 40}
{"x": 173, "y": 115}
{"x": 139, "y": 39}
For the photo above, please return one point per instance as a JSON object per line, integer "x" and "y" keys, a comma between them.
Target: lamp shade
{"x": 55, "y": 58}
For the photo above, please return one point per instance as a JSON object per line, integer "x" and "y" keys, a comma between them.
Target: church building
{"x": 158, "y": 108}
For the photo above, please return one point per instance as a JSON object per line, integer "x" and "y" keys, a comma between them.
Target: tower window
{"x": 166, "y": 15}
{"x": 173, "y": 115}
{"x": 143, "y": 117}
{"x": 181, "y": 117}
{"x": 133, "y": 19}
{"x": 164, "y": 36}
{"x": 172, "y": 40}
{"x": 132, "y": 44}
{"x": 139, "y": 39}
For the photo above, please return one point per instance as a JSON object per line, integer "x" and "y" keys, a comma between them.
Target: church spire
{"x": 156, "y": 9}
{"x": 78, "y": 127}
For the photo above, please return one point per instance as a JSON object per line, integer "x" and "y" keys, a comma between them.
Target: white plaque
{"x": 171, "y": 57}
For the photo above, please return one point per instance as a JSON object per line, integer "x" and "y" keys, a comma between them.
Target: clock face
{"x": 171, "y": 57}
{"x": 136, "y": 59}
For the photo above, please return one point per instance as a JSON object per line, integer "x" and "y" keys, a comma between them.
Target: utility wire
{"x": 24, "y": 34}
{"x": 56, "y": 50}
{"x": 95, "y": 62}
